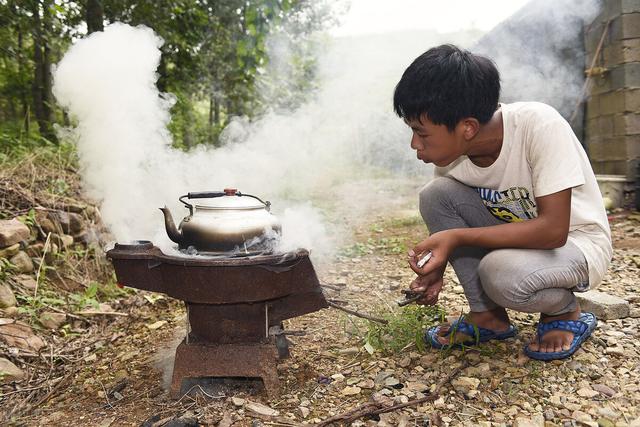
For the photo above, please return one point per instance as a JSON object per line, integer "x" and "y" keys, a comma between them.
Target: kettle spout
{"x": 173, "y": 233}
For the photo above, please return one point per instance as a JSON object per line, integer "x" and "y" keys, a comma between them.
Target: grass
{"x": 43, "y": 175}
{"x": 383, "y": 246}
{"x": 405, "y": 328}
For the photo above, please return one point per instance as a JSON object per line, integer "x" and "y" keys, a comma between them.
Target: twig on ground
{"x": 108, "y": 313}
{"x": 373, "y": 408}
{"x": 44, "y": 253}
{"x": 355, "y": 313}
{"x": 332, "y": 287}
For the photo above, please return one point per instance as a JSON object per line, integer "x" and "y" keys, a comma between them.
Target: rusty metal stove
{"x": 235, "y": 307}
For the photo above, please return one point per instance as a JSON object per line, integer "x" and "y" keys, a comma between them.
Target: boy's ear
{"x": 471, "y": 128}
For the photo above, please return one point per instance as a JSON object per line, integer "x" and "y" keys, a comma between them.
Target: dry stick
{"x": 372, "y": 408}
{"x": 332, "y": 287}
{"x": 583, "y": 92}
{"x": 109, "y": 313}
{"x": 44, "y": 253}
{"x": 355, "y": 313}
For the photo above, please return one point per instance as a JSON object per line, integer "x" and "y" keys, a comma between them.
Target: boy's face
{"x": 435, "y": 143}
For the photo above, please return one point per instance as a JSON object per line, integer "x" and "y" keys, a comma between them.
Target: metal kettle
{"x": 231, "y": 221}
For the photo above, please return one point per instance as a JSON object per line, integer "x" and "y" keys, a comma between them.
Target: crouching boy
{"x": 514, "y": 205}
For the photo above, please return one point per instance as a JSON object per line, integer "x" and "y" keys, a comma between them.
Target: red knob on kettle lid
{"x": 230, "y": 191}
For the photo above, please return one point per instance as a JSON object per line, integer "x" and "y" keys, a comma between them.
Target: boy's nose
{"x": 415, "y": 142}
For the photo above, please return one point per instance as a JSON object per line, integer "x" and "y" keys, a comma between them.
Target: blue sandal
{"x": 581, "y": 329}
{"x": 481, "y": 334}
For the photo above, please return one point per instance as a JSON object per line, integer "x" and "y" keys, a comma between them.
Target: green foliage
{"x": 6, "y": 268}
{"x": 384, "y": 246}
{"x": 29, "y": 219}
{"x": 405, "y": 327}
{"x": 32, "y": 305}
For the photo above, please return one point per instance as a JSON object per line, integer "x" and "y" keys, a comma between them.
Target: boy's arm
{"x": 548, "y": 230}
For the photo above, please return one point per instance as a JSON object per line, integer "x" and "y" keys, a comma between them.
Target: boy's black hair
{"x": 448, "y": 84}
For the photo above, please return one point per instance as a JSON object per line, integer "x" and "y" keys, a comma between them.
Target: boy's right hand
{"x": 430, "y": 285}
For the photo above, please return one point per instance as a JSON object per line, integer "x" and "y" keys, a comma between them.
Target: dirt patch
{"x": 330, "y": 371}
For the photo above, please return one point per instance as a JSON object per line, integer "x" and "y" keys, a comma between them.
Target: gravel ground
{"x": 331, "y": 372}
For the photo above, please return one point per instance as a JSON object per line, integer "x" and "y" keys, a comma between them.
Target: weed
{"x": 405, "y": 222}
{"x": 405, "y": 326}
{"x": 6, "y": 268}
{"x": 29, "y": 219}
{"x": 86, "y": 299}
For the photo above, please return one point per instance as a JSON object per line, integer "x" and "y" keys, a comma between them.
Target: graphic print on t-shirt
{"x": 511, "y": 205}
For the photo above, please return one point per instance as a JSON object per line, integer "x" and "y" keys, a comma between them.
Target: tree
{"x": 213, "y": 60}
{"x": 94, "y": 16}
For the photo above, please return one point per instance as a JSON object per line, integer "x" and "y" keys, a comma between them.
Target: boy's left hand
{"x": 441, "y": 245}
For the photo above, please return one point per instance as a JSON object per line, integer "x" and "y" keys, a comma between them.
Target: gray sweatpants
{"x": 529, "y": 280}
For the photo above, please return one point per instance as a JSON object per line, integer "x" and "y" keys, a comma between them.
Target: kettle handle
{"x": 214, "y": 194}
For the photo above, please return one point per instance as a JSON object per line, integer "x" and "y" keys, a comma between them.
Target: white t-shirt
{"x": 541, "y": 155}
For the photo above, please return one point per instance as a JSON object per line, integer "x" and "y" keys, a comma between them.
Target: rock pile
{"x": 28, "y": 244}
{"x": 42, "y": 234}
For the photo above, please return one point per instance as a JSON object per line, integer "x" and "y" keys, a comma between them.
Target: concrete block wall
{"x": 613, "y": 107}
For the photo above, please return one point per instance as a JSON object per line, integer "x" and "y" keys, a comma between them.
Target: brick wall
{"x": 613, "y": 107}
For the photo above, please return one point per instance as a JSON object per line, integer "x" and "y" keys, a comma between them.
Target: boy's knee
{"x": 501, "y": 282}
{"x": 435, "y": 193}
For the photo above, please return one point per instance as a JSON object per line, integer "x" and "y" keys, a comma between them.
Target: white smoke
{"x": 107, "y": 82}
{"x": 540, "y": 52}
{"x": 346, "y": 133}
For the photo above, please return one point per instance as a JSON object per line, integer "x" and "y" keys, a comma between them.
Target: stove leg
{"x": 197, "y": 360}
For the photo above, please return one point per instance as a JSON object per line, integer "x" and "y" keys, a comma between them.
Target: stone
{"x": 26, "y": 281}
{"x": 482, "y": 370}
{"x": 52, "y": 320}
{"x": 606, "y": 390}
{"x": 36, "y": 251}
{"x": 88, "y": 238}
{"x": 337, "y": 377}
{"x": 549, "y": 414}
{"x": 76, "y": 223}
{"x": 615, "y": 351}
{"x": 62, "y": 240}
{"x": 22, "y": 262}
{"x": 304, "y": 411}
{"x": 405, "y": 362}
{"x": 157, "y": 325}
{"x": 349, "y": 350}
{"x": 13, "y": 231}
{"x": 61, "y": 218}
{"x": 261, "y": 409}
{"x": 587, "y": 392}
{"x": 11, "y": 312}
{"x": 465, "y": 384}
{"x": 10, "y": 251}
{"x": 609, "y": 413}
{"x": 20, "y": 335}
{"x": 604, "y": 306}
{"x": 382, "y": 376}
{"x": 351, "y": 391}
{"x": 226, "y": 420}
{"x": 7, "y": 299}
{"x": 391, "y": 381}
{"x": 9, "y": 372}
{"x": 237, "y": 401}
{"x": 48, "y": 226}
{"x": 605, "y": 422}
{"x": 368, "y": 384}
{"x": 582, "y": 417}
{"x": 536, "y": 421}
